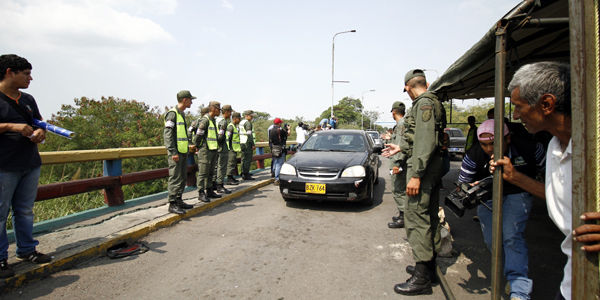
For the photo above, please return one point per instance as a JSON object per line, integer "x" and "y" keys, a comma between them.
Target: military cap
{"x": 227, "y": 107}
{"x": 398, "y": 105}
{"x": 248, "y": 112}
{"x": 204, "y": 110}
{"x": 412, "y": 74}
{"x": 216, "y": 104}
{"x": 236, "y": 115}
{"x": 185, "y": 94}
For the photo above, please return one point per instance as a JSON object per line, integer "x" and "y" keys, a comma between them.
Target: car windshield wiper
{"x": 304, "y": 150}
{"x": 341, "y": 150}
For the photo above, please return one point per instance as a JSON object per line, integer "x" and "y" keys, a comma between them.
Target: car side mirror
{"x": 377, "y": 149}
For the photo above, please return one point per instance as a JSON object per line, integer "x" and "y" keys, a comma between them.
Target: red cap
{"x": 277, "y": 121}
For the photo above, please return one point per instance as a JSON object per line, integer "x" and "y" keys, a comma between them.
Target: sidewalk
{"x": 81, "y": 240}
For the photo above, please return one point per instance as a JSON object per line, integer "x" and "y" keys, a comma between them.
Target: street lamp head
{"x": 353, "y": 30}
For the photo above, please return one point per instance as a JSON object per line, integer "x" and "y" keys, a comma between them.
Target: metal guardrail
{"x": 113, "y": 180}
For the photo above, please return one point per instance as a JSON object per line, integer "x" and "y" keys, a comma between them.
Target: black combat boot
{"x": 434, "y": 279}
{"x": 182, "y": 204}
{"x": 210, "y": 193}
{"x": 400, "y": 216}
{"x": 247, "y": 176}
{"x": 221, "y": 189}
{"x": 418, "y": 284}
{"x": 232, "y": 181}
{"x": 176, "y": 209}
{"x": 397, "y": 221}
{"x": 202, "y": 197}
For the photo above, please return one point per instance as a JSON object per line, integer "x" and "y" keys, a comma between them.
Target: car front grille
{"x": 318, "y": 173}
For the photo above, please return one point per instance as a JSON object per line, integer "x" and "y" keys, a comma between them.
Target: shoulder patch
{"x": 426, "y": 107}
{"x": 426, "y": 115}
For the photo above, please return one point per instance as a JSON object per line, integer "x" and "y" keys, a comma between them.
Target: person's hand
{"x": 588, "y": 233}
{"x": 413, "y": 186}
{"x": 175, "y": 157}
{"x": 253, "y": 148}
{"x": 193, "y": 149}
{"x": 509, "y": 173}
{"x": 395, "y": 170}
{"x": 390, "y": 149}
{"x": 38, "y": 136}
{"x": 23, "y": 129}
{"x": 385, "y": 136}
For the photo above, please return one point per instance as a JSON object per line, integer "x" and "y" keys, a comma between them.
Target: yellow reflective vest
{"x": 211, "y": 135}
{"x": 182, "y": 137}
{"x": 235, "y": 139}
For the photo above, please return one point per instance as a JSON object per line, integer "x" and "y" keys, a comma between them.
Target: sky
{"x": 267, "y": 55}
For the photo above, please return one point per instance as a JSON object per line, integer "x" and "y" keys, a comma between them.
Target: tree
{"x": 347, "y": 111}
{"x": 262, "y": 115}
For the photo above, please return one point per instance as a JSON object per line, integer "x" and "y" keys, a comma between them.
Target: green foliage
{"x": 101, "y": 124}
{"x": 460, "y": 115}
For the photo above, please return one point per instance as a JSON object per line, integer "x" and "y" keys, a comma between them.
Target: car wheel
{"x": 370, "y": 195}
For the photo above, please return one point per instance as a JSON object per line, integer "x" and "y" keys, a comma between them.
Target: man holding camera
{"x": 529, "y": 159}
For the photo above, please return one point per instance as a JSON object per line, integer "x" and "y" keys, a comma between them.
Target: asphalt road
{"x": 260, "y": 247}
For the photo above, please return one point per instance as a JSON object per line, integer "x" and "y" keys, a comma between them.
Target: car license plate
{"x": 315, "y": 188}
{"x": 455, "y": 149}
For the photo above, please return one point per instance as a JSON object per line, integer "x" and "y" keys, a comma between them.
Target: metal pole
{"x": 362, "y": 110}
{"x": 497, "y": 193}
{"x": 333, "y": 65}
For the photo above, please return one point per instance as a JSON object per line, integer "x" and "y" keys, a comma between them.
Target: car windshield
{"x": 454, "y": 133}
{"x": 343, "y": 142}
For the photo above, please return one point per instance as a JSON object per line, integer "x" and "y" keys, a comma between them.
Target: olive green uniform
{"x": 247, "y": 129}
{"x": 424, "y": 129}
{"x": 177, "y": 169}
{"x": 207, "y": 159}
{"x": 399, "y": 160}
{"x": 222, "y": 151}
{"x": 232, "y": 158}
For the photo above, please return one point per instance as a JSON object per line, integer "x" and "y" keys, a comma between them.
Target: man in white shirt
{"x": 300, "y": 134}
{"x": 541, "y": 95}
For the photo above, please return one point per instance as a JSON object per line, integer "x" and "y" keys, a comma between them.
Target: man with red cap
{"x": 527, "y": 157}
{"x": 277, "y": 138}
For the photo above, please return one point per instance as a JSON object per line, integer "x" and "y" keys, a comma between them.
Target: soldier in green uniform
{"x": 177, "y": 142}
{"x": 222, "y": 150}
{"x": 247, "y": 137}
{"x": 233, "y": 144}
{"x": 398, "y": 170}
{"x": 205, "y": 140}
{"x": 424, "y": 128}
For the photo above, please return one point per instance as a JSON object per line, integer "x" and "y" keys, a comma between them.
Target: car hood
{"x": 318, "y": 159}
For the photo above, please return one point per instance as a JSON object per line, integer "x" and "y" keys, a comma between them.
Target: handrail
{"x": 113, "y": 179}
{"x": 60, "y": 157}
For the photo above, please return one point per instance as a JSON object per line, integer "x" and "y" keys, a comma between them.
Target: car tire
{"x": 368, "y": 201}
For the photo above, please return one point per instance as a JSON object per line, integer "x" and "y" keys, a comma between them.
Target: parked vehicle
{"x": 376, "y": 138}
{"x": 338, "y": 165}
{"x": 457, "y": 142}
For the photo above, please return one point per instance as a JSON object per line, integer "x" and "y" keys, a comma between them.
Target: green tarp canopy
{"x": 472, "y": 75}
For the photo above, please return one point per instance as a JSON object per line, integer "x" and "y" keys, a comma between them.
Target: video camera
{"x": 467, "y": 196}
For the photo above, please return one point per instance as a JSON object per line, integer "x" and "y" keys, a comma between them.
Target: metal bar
{"x": 546, "y": 22}
{"x": 451, "y": 108}
{"x": 585, "y": 138}
{"x": 497, "y": 193}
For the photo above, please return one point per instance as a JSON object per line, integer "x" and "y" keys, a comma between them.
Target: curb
{"x": 72, "y": 257}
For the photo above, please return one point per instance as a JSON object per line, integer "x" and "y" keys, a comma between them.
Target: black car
{"x": 338, "y": 165}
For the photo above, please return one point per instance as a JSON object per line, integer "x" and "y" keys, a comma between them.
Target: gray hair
{"x": 536, "y": 79}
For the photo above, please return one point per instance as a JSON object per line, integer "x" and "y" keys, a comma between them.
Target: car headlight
{"x": 287, "y": 169}
{"x": 354, "y": 171}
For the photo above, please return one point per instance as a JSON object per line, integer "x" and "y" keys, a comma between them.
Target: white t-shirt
{"x": 300, "y": 135}
{"x": 558, "y": 199}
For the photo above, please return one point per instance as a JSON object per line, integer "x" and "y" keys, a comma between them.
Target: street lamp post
{"x": 362, "y": 100}
{"x": 333, "y": 64}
